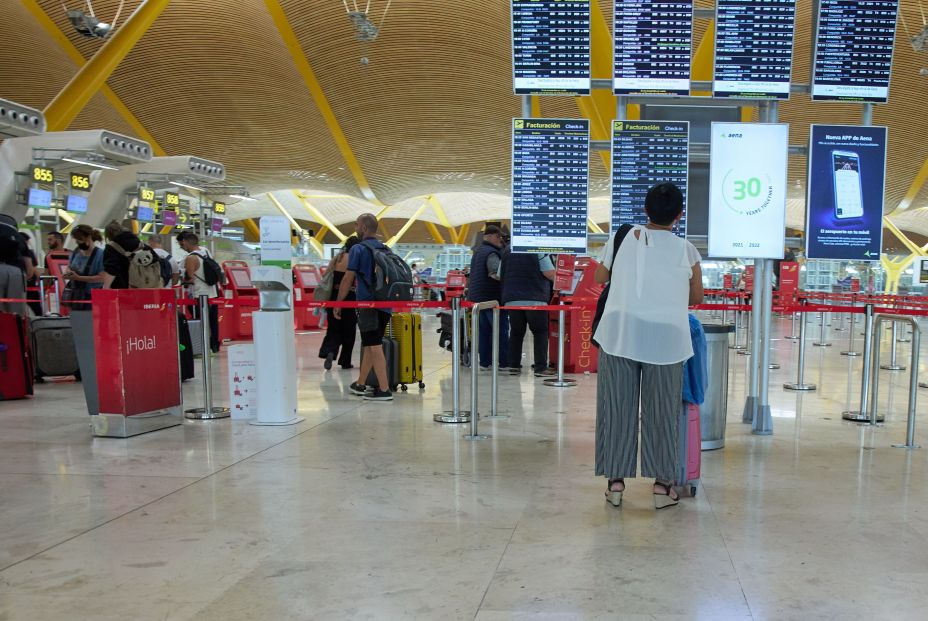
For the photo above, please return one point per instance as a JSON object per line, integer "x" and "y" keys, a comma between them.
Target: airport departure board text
{"x": 645, "y": 153}
{"x": 753, "y": 48}
{"x": 653, "y": 42}
{"x": 854, "y": 50}
{"x": 550, "y": 182}
{"x": 551, "y": 47}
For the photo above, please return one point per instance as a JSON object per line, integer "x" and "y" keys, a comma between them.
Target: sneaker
{"x": 358, "y": 389}
{"x": 546, "y": 373}
{"x": 379, "y": 395}
{"x": 328, "y": 361}
{"x": 515, "y": 370}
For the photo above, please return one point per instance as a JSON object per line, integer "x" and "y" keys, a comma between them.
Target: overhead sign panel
{"x": 747, "y": 190}
{"x": 753, "y": 48}
{"x": 652, "y": 46}
{"x": 550, "y": 181}
{"x": 551, "y": 47}
{"x": 844, "y": 209}
{"x": 645, "y": 153}
{"x": 854, "y": 50}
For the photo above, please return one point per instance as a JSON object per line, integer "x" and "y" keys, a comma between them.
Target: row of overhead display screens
{"x": 652, "y": 46}
{"x": 747, "y": 185}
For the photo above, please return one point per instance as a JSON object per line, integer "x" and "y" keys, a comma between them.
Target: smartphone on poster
{"x": 849, "y": 202}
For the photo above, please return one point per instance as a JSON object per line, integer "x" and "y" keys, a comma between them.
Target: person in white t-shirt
{"x": 644, "y": 339}
{"x": 156, "y": 243}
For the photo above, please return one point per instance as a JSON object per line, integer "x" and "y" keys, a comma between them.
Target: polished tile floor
{"x": 373, "y": 511}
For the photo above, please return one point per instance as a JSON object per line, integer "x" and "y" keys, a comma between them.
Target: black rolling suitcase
{"x": 186, "y": 348}
{"x": 391, "y": 351}
{"x": 53, "y": 347}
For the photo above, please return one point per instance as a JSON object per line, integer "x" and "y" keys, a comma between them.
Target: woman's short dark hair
{"x": 663, "y": 203}
{"x": 351, "y": 241}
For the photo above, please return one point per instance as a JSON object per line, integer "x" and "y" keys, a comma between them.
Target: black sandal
{"x": 669, "y": 497}
{"x": 614, "y": 497}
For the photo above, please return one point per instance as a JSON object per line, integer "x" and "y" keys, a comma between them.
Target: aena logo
{"x": 140, "y": 343}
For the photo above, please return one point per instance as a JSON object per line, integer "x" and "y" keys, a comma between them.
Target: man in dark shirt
{"x": 371, "y": 322}
{"x": 115, "y": 263}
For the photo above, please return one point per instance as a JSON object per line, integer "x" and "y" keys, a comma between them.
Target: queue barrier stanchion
{"x": 893, "y": 364}
{"x": 822, "y": 342}
{"x": 800, "y": 384}
{"x": 861, "y": 415}
{"x": 851, "y": 338}
{"x": 875, "y": 418}
{"x": 792, "y": 330}
{"x": 560, "y": 381}
{"x": 455, "y": 415}
{"x": 208, "y": 411}
{"x": 494, "y": 377}
{"x": 474, "y": 364}
{"x": 738, "y": 324}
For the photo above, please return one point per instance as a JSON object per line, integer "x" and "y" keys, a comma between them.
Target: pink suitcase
{"x": 690, "y": 448}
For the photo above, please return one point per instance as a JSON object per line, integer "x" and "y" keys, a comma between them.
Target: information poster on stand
{"x": 747, "y": 190}
{"x": 645, "y": 153}
{"x": 551, "y": 47}
{"x": 550, "y": 183}
{"x": 854, "y": 50}
{"x": 653, "y": 43}
{"x": 275, "y": 241}
{"x": 753, "y": 48}
{"x": 844, "y": 207}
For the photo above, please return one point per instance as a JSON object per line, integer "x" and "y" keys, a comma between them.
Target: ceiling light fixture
{"x": 89, "y": 163}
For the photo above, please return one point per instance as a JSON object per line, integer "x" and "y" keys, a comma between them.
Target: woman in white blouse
{"x": 644, "y": 339}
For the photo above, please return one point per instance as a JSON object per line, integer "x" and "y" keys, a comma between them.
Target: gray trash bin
{"x": 714, "y": 410}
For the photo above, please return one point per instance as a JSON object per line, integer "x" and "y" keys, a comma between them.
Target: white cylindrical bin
{"x": 275, "y": 348}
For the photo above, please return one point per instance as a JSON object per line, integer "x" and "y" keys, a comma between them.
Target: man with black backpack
{"x": 202, "y": 275}
{"x": 365, "y": 260}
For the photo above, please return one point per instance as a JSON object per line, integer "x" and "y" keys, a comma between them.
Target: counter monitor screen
{"x": 652, "y": 46}
{"x": 169, "y": 218}
{"x": 241, "y": 278}
{"x": 753, "y": 48}
{"x": 854, "y": 50}
{"x": 550, "y": 182}
{"x": 217, "y": 224}
{"x": 645, "y": 153}
{"x": 38, "y": 198}
{"x": 145, "y": 214}
{"x": 76, "y": 204}
{"x": 551, "y": 47}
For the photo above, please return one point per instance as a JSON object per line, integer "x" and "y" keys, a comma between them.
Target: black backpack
{"x": 392, "y": 278}
{"x": 620, "y": 235}
{"x": 212, "y": 272}
{"x": 167, "y": 272}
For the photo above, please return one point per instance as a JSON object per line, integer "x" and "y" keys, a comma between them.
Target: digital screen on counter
{"x": 854, "y": 50}
{"x": 217, "y": 224}
{"x": 76, "y": 204}
{"x": 38, "y": 198}
{"x": 551, "y": 47}
{"x": 652, "y": 46}
{"x": 753, "y": 48}
{"x": 169, "y": 218}
{"x": 145, "y": 214}
{"x": 645, "y": 153}
{"x": 550, "y": 182}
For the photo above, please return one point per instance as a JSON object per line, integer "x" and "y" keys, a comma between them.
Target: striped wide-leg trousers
{"x": 621, "y": 385}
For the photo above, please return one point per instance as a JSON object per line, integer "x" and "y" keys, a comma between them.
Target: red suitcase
{"x": 16, "y": 371}
{"x": 690, "y": 448}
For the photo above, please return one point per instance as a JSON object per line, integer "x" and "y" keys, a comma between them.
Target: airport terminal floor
{"x": 372, "y": 510}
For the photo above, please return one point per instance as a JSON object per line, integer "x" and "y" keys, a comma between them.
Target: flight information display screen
{"x": 76, "y": 203}
{"x": 854, "y": 50}
{"x": 652, "y": 46}
{"x": 753, "y": 48}
{"x": 145, "y": 214}
{"x": 645, "y": 153}
{"x": 39, "y": 198}
{"x": 550, "y": 182}
{"x": 551, "y": 47}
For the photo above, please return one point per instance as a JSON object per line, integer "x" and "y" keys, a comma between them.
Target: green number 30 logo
{"x": 745, "y": 189}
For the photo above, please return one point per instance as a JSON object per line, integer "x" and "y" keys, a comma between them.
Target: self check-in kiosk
{"x": 580, "y": 355}
{"x": 306, "y": 278}
{"x": 236, "y": 322}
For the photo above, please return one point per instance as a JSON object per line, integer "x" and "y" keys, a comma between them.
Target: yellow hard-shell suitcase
{"x": 406, "y": 328}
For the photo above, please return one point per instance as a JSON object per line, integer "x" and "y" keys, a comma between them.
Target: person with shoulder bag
{"x": 85, "y": 269}
{"x": 341, "y": 330}
{"x": 644, "y": 340}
